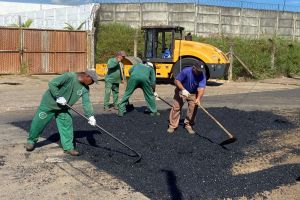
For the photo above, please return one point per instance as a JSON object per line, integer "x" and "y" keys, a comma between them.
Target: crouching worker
{"x": 141, "y": 76}
{"x": 190, "y": 85}
{"x": 64, "y": 89}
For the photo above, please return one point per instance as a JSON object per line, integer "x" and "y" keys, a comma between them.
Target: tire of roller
{"x": 186, "y": 62}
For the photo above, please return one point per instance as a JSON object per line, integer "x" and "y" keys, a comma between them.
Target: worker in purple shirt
{"x": 190, "y": 85}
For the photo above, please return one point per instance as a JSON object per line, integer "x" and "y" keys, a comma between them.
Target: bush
{"x": 287, "y": 57}
{"x": 114, "y": 37}
{"x": 255, "y": 53}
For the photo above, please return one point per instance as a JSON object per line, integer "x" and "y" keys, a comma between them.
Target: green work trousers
{"x": 114, "y": 88}
{"x": 134, "y": 83}
{"x": 64, "y": 124}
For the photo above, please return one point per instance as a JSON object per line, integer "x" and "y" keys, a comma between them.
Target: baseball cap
{"x": 92, "y": 73}
{"x": 121, "y": 53}
{"x": 198, "y": 66}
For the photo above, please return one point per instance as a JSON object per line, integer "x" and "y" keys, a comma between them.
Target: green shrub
{"x": 24, "y": 68}
{"x": 287, "y": 57}
{"x": 256, "y": 54}
{"x": 114, "y": 37}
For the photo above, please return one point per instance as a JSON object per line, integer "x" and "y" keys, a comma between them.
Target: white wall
{"x": 10, "y": 7}
{"x": 53, "y": 18}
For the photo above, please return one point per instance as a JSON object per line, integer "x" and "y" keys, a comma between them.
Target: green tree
{"x": 70, "y": 27}
{"x": 25, "y": 24}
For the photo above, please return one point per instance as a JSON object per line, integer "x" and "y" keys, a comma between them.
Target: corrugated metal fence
{"x": 36, "y": 51}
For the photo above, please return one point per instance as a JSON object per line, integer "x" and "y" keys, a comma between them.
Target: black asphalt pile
{"x": 183, "y": 166}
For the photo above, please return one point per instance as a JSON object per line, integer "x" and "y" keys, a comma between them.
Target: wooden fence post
{"x": 273, "y": 51}
{"x": 231, "y": 62}
{"x": 135, "y": 42}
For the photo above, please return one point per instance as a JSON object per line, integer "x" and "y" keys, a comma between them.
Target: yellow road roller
{"x": 170, "y": 53}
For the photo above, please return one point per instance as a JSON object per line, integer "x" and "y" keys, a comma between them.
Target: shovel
{"x": 231, "y": 138}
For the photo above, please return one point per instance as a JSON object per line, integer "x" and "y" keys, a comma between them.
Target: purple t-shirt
{"x": 190, "y": 81}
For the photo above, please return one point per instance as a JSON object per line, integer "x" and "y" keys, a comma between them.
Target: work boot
{"x": 155, "y": 114}
{"x": 72, "y": 152}
{"x": 190, "y": 130}
{"x": 29, "y": 147}
{"x": 129, "y": 107}
{"x": 170, "y": 130}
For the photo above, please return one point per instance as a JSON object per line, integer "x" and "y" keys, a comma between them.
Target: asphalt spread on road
{"x": 183, "y": 166}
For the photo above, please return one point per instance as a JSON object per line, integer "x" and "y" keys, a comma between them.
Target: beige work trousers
{"x": 178, "y": 102}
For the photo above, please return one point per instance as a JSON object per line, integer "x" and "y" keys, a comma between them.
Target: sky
{"x": 15, "y": 6}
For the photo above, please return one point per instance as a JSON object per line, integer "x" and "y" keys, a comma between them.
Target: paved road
{"x": 283, "y": 99}
{"x": 259, "y": 100}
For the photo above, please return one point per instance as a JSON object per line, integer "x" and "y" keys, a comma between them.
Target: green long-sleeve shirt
{"x": 114, "y": 73}
{"x": 143, "y": 71}
{"x": 69, "y": 87}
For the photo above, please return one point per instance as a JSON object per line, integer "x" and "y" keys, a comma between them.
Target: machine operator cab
{"x": 159, "y": 42}
{"x": 170, "y": 53}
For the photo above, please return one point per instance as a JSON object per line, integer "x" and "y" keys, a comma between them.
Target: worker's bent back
{"x": 141, "y": 71}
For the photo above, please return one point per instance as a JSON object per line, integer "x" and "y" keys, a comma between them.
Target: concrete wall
{"x": 206, "y": 20}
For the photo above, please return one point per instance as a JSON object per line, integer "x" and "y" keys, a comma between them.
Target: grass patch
{"x": 24, "y": 68}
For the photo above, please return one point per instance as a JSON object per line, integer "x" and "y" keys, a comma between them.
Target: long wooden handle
{"x": 165, "y": 101}
{"x": 212, "y": 117}
{"x": 108, "y": 133}
{"x": 217, "y": 122}
{"x": 122, "y": 71}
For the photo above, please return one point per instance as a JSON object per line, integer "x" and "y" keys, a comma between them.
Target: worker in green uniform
{"x": 64, "y": 89}
{"x": 141, "y": 76}
{"x": 113, "y": 79}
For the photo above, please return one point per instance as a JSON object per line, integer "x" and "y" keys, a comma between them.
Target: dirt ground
{"x": 264, "y": 164}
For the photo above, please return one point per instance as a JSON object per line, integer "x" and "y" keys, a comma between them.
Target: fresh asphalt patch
{"x": 179, "y": 165}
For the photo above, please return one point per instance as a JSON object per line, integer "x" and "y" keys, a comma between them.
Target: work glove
{"x": 156, "y": 96}
{"x": 92, "y": 121}
{"x": 61, "y": 101}
{"x": 184, "y": 93}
